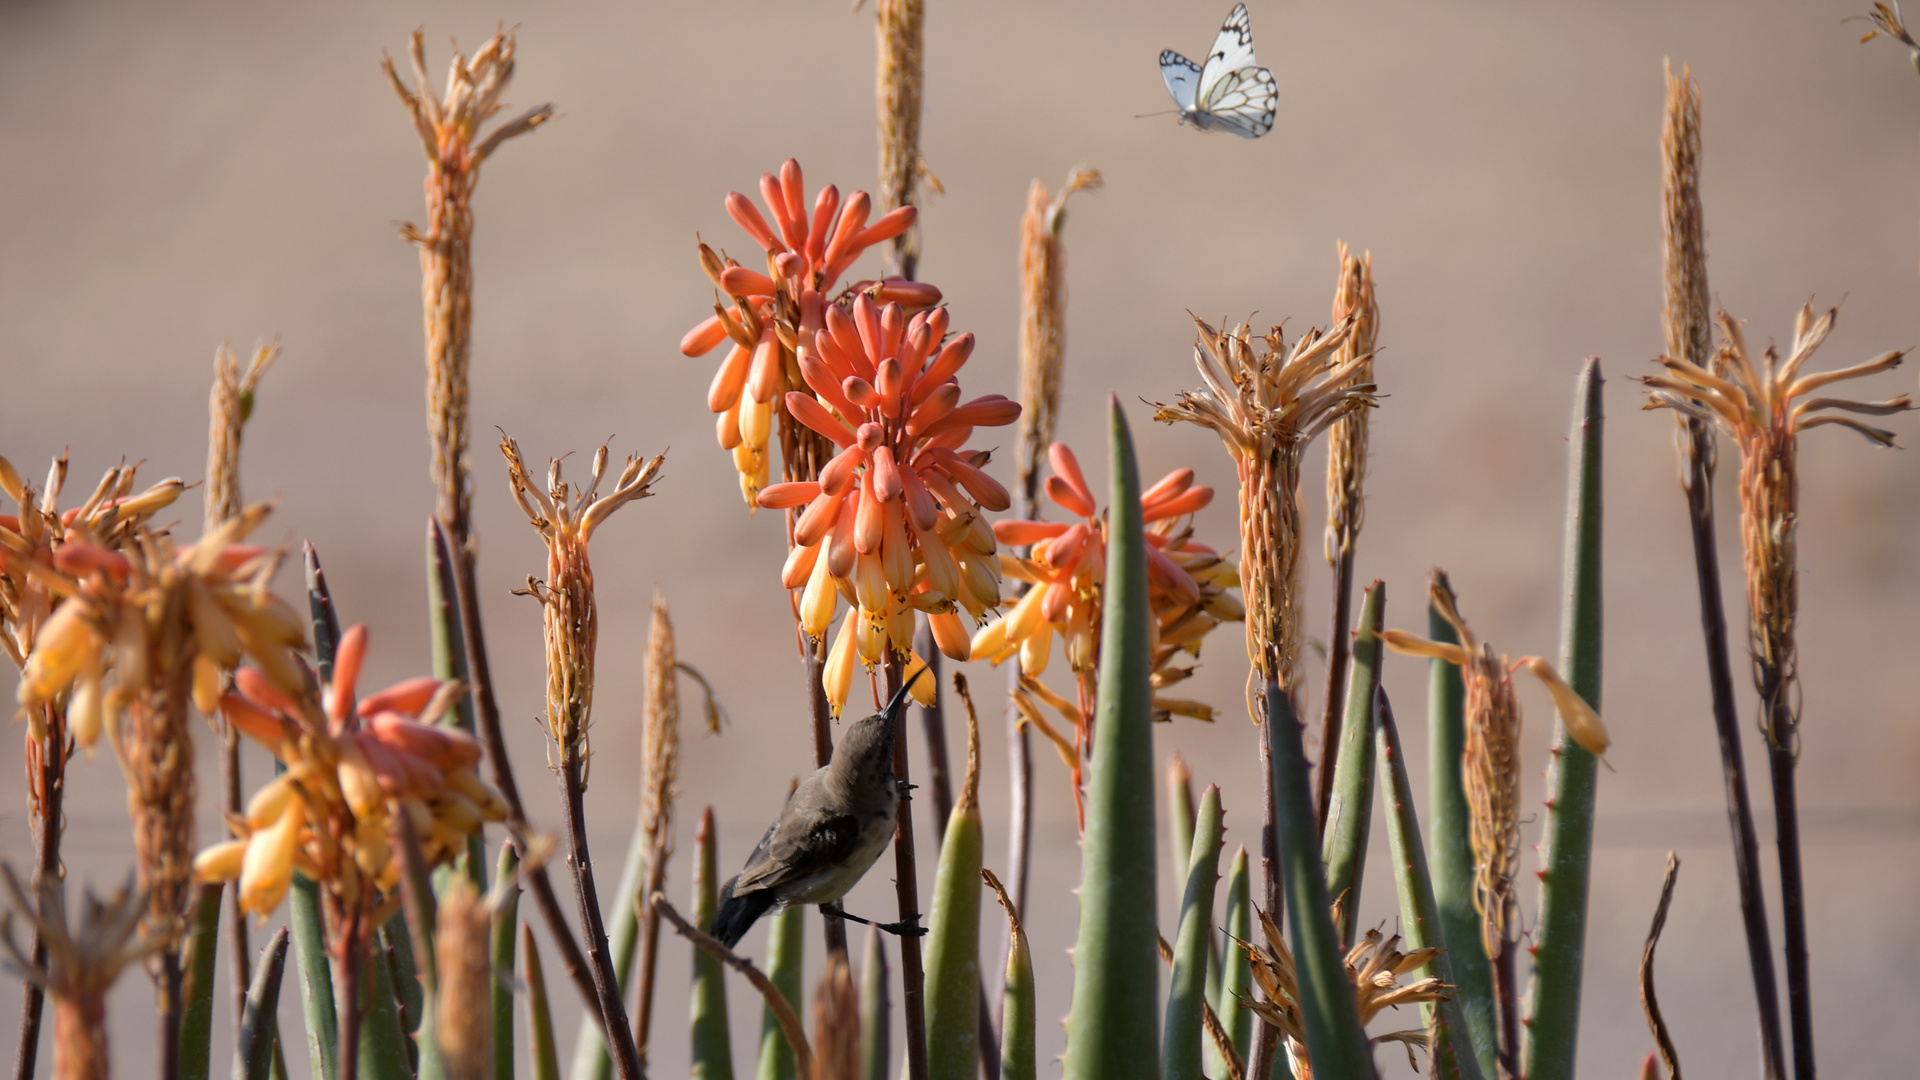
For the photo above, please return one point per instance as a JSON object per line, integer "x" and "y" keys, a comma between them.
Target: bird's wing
{"x": 799, "y": 845}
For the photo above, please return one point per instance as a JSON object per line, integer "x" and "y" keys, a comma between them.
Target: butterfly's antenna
{"x": 1162, "y": 112}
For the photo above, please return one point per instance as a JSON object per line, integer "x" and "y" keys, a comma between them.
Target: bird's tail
{"x": 738, "y": 913}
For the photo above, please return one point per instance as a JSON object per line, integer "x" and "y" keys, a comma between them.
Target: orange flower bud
{"x": 1062, "y": 492}
{"x": 266, "y": 870}
{"x": 704, "y": 338}
{"x": 221, "y": 862}
{"x": 728, "y": 380}
{"x": 407, "y": 697}
{"x": 1188, "y": 502}
{"x": 799, "y": 565}
{"x": 950, "y": 635}
{"x": 837, "y": 676}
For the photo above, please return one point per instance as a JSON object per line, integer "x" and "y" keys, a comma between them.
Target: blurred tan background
{"x": 175, "y": 176}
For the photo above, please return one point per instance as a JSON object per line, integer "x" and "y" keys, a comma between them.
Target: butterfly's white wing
{"x": 1231, "y": 51}
{"x": 1241, "y": 102}
{"x": 1183, "y": 78}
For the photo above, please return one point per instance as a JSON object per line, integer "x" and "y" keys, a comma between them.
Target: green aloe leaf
{"x": 1419, "y": 913}
{"x": 1451, "y": 847}
{"x": 953, "y": 922}
{"x": 1236, "y": 977}
{"x": 253, "y": 1046}
{"x": 308, "y": 927}
{"x": 786, "y": 958}
{"x": 196, "y": 1015}
{"x": 1112, "y": 1030}
{"x": 1017, "y": 1060}
{"x": 449, "y": 645}
{"x": 506, "y": 920}
{"x": 1336, "y": 1044}
{"x": 1566, "y": 853}
{"x": 712, "y": 1040}
{"x": 541, "y": 1049}
{"x": 875, "y": 1009}
{"x": 384, "y": 1046}
{"x": 1186, "y": 999}
{"x": 1350, "y": 810}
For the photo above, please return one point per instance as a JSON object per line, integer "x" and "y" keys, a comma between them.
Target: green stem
{"x": 1112, "y": 1028}
{"x": 1566, "y": 851}
{"x": 1336, "y": 1044}
{"x": 1349, "y": 808}
{"x": 1186, "y": 997}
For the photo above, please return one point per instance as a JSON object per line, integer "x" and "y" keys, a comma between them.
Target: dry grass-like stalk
{"x": 1267, "y": 404}
{"x": 836, "y": 1023}
{"x": 1754, "y": 406}
{"x": 898, "y": 31}
{"x": 1649, "y": 1002}
{"x": 660, "y": 751}
{"x": 449, "y": 128}
{"x": 79, "y": 965}
{"x": 229, "y": 407}
{"x": 1347, "y": 437}
{"x": 1043, "y": 322}
{"x": 463, "y": 1005}
{"x": 566, "y": 521}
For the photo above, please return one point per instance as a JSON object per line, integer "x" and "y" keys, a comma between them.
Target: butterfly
{"x": 1231, "y": 92}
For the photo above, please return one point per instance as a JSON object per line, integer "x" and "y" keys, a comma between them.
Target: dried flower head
{"x": 1754, "y": 405}
{"x": 82, "y": 963}
{"x": 351, "y": 770}
{"x": 1490, "y": 764}
{"x": 566, "y": 521}
{"x": 463, "y": 1005}
{"x": 1886, "y": 19}
{"x": 771, "y": 317}
{"x": 1374, "y": 966}
{"x": 895, "y": 523}
{"x": 142, "y": 630}
{"x": 449, "y": 127}
{"x": 1267, "y": 404}
{"x": 229, "y": 410}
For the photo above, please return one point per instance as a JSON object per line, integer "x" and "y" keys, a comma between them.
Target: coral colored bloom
{"x": 770, "y": 318}
{"x": 352, "y": 769}
{"x": 895, "y": 522}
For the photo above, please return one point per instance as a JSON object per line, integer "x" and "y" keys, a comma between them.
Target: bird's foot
{"x": 907, "y": 927}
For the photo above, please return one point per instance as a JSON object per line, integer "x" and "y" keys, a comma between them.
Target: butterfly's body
{"x": 1230, "y": 92}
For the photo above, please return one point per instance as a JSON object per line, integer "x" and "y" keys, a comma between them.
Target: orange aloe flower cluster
{"x": 352, "y": 771}
{"x": 1188, "y": 585}
{"x": 771, "y": 317}
{"x": 895, "y": 523}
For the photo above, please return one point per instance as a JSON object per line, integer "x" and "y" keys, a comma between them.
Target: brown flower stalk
{"x": 1043, "y": 346}
{"x": 1346, "y": 512}
{"x": 228, "y": 410}
{"x": 1688, "y": 333}
{"x": 566, "y": 522}
{"x": 463, "y": 1006}
{"x": 898, "y": 31}
{"x": 1753, "y": 404}
{"x": 1267, "y": 405}
{"x": 449, "y": 130}
{"x": 79, "y": 965}
{"x": 660, "y": 751}
{"x": 1043, "y": 324}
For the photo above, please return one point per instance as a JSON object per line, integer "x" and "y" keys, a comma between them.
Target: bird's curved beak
{"x": 899, "y": 701}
